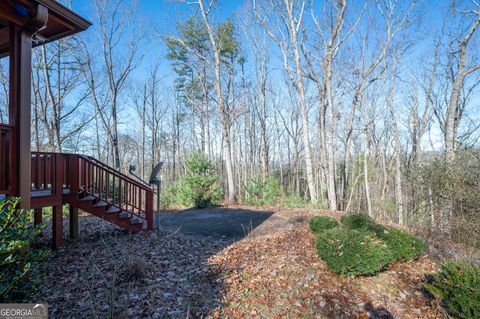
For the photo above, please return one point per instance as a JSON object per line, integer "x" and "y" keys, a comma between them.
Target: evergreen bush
{"x": 357, "y": 221}
{"x": 296, "y": 201}
{"x": 350, "y": 252}
{"x": 457, "y": 286}
{"x": 262, "y": 192}
{"x": 18, "y": 256}
{"x": 171, "y": 195}
{"x": 362, "y": 247}
{"x": 403, "y": 246}
{"x": 320, "y": 223}
{"x": 199, "y": 187}
{"x": 293, "y": 201}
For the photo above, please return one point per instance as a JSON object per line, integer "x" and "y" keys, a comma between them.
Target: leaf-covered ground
{"x": 271, "y": 273}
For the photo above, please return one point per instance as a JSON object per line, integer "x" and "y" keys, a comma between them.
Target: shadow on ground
{"x": 109, "y": 272}
{"x": 225, "y": 223}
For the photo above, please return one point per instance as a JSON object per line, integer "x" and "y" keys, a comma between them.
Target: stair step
{"x": 87, "y": 198}
{"x": 136, "y": 221}
{"x": 113, "y": 209}
{"x": 123, "y": 214}
{"x": 101, "y": 204}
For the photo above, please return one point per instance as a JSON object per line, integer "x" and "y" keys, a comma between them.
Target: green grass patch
{"x": 320, "y": 223}
{"x": 457, "y": 286}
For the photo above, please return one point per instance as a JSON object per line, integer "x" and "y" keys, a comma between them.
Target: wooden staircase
{"x": 91, "y": 186}
{"x": 81, "y": 181}
{"x": 111, "y": 213}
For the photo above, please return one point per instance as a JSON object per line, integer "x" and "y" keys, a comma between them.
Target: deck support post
{"x": 19, "y": 112}
{"x": 37, "y": 219}
{"x": 73, "y": 222}
{"x": 19, "y": 103}
{"x": 57, "y": 226}
{"x": 149, "y": 209}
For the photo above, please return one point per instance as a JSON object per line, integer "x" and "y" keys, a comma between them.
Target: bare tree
{"x": 119, "y": 54}
{"x": 259, "y": 46}
{"x": 463, "y": 70}
{"x": 4, "y": 93}
{"x": 58, "y": 102}
{"x": 205, "y": 11}
{"x": 396, "y": 145}
{"x": 288, "y": 40}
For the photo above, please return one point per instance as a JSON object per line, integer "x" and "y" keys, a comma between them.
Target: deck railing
{"x": 113, "y": 187}
{"x": 4, "y": 158}
{"x": 54, "y": 175}
{"x": 57, "y": 174}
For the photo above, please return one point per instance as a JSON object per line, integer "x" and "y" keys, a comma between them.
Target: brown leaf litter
{"x": 272, "y": 273}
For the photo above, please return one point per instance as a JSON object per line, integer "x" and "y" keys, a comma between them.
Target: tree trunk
{"x": 303, "y": 106}
{"x": 223, "y": 116}
{"x": 397, "y": 151}
{"x": 365, "y": 173}
{"x": 451, "y": 121}
{"x": 332, "y": 196}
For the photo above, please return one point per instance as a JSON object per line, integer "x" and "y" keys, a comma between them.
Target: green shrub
{"x": 320, "y": 223}
{"x": 457, "y": 286}
{"x": 362, "y": 247}
{"x": 293, "y": 201}
{"x": 357, "y": 221}
{"x": 403, "y": 246}
{"x": 351, "y": 253}
{"x": 171, "y": 195}
{"x": 296, "y": 201}
{"x": 18, "y": 257}
{"x": 452, "y": 187}
{"x": 200, "y": 185}
{"x": 261, "y": 192}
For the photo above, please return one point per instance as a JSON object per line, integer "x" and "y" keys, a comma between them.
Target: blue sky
{"x": 159, "y": 17}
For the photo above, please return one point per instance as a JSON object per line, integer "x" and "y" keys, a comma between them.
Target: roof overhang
{"x": 61, "y": 21}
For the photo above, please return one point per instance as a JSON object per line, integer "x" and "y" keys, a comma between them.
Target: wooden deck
{"x": 83, "y": 183}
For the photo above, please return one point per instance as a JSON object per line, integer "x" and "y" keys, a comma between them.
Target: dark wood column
{"x": 38, "y": 216}
{"x": 19, "y": 108}
{"x": 73, "y": 222}
{"x": 19, "y": 112}
{"x": 57, "y": 226}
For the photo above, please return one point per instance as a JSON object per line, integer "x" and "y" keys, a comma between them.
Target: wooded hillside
{"x": 366, "y": 106}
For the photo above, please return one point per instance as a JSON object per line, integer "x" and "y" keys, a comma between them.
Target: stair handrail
{"x": 114, "y": 171}
{"x": 81, "y": 173}
{"x": 148, "y": 199}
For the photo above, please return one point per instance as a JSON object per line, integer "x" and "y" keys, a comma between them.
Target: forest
{"x": 366, "y": 107}
{"x": 335, "y": 130}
